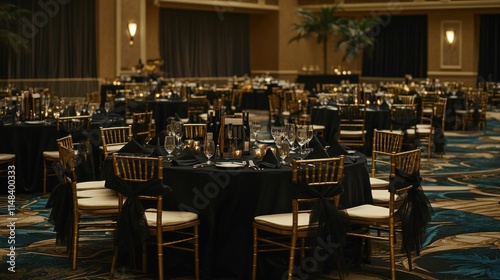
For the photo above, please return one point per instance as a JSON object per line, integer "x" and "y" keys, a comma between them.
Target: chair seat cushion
{"x": 90, "y": 185}
{"x": 9, "y": 156}
{"x": 378, "y": 183}
{"x": 368, "y": 212}
{"x": 51, "y": 155}
{"x": 170, "y": 218}
{"x": 352, "y": 132}
{"x": 96, "y": 193}
{"x": 104, "y": 202}
{"x": 113, "y": 148}
{"x": 381, "y": 195}
{"x": 283, "y": 220}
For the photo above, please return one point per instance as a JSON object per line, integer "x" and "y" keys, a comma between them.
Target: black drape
{"x": 489, "y": 44}
{"x": 400, "y": 48}
{"x": 62, "y": 39}
{"x": 204, "y": 43}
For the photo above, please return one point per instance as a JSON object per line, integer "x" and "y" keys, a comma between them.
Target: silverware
{"x": 251, "y": 164}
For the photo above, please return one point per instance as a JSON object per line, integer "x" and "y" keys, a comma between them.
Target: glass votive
{"x": 257, "y": 153}
{"x": 189, "y": 143}
{"x": 237, "y": 154}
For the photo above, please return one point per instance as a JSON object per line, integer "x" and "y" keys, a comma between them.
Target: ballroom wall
{"x": 271, "y": 30}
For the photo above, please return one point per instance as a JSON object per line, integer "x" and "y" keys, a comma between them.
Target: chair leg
{"x": 392, "y": 251}
{"x": 113, "y": 263}
{"x": 160, "y": 258}
{"x": 75, "y": 245}
{"x": 44, "y": 176}
{"x": 293, "y": 247}
{"x": 196, "y": 254}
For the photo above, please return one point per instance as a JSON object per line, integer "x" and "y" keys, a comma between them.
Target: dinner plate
{"x": 266, "y": 141}
{"x": 228, "y": 164}
{"x": 34, "y": 122}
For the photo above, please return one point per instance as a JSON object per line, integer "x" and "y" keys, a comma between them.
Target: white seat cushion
{"x": 382, "y": 196}
{"x": 283, "y": 220}
{"x": 378, "y": 183}
{"x": 104, "y": 202}
{"x": 423, "y": 126}
{"x": 170, "y": 218}
{"x": 53, "y": 155}
{"x": 113, "y": 148}
{"x": 96, "y": 193}
{"x": 90, "y": 185}
{"x": 352, "y": 132}
{"x": 368, "y": 212}
{"x": 8, "y": 156}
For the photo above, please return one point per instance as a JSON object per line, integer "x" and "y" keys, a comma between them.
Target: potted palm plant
{"x": 321, "y": 24}
{"x": 355, "y": 34}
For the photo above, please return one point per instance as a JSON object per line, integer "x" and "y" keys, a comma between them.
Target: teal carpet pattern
{"x": 462, "y": 241}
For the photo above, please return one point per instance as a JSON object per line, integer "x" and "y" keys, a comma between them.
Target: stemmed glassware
{"x": 107, "y": 106}
{"x": 302, "y": 138}
{"x": 209, "y": 149}
{"x": 290, "y": 135}
{"x": 178, "y": 132}
{"x": 276, "y": 131}
{"x": 169, "y": 146}
{"x": 255, "y": 126}
{"x": 310, "y": 134}
{"x": 284, "y": 151}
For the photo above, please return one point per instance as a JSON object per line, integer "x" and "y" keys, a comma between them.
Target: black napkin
{"x": 318, "y": 150}
{"x": 336, "y": 149}
{"x": 269, "y": 160}
{"x": 7, "y": 120}
{"x": 186, "y": 157}
{"x": 133, "y": 147}
{"x": 158, "y": 137}
{"x": 158, "y": 150}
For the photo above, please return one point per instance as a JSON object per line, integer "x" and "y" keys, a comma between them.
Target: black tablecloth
{"x": 28, "y": 142}
{"x": 327, "y": 116}
{"x": 227, "y": 200}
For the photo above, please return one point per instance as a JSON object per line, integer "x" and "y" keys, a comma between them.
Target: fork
{"x": 251, "y": 164}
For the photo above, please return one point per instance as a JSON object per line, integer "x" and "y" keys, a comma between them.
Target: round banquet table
{"x": 227, "y": 200}
{"x": 28, "y": 142}
{"x": 328, "y": 116}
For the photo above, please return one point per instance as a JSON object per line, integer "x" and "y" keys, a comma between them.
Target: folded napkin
{"x": 133, "y": 147}
{"x": 158, "y": 151}
{"x": 336, "y": 149}
{"x": 317, "y": 153}
{"x": 158, "y": 137}
{"x": 317, "y": 143}
{"x": 269, "y": 160}
{"x": 186, "y": 157}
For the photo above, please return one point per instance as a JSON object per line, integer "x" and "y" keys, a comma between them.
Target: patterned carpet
{"x": 462, "y": 242}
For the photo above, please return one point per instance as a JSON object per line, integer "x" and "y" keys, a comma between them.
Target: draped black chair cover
{"x": 415, "y": 212}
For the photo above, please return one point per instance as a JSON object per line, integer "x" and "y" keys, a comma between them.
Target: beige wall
{"x": 270, "y": 32}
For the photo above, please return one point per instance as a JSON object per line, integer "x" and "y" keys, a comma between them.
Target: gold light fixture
{"x": 450, "y": 36}
{"x": 132, "y": 29}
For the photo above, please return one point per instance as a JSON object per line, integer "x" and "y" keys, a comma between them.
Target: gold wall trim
{"x": 219, "y": 5}
{"x": 451, "y": 73}
{"x": 392, "y": 5}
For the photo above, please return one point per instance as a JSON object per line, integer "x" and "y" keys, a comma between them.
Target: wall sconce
{"x": 450, "y": 36}
{"x": 132, "y": 29}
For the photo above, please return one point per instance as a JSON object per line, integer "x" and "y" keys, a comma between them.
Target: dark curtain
{"x": 204, "y": 43}
{"x": 62, "y": 41}
{"x": 400, "y": 48}
{"x": 489, "y": 44}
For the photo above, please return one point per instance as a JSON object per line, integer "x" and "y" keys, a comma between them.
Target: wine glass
{"x": 290, "y": 134}
{"x": 276, "y": 131}
{"x": 107, "y": 106}
{"x": 178, "y": 131}
{"x": 284, "y": 151}
{"x": 209, "y": 150}
{"x": 169, "y": 146}
{"x": 310, "y": 134}
{"x": 301, "y": 137}
{"x": 256, "y": 127}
